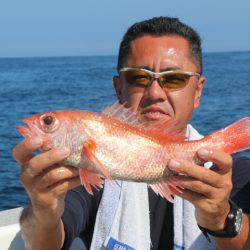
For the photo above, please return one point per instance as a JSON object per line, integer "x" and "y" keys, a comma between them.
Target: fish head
{"x": 51, "y": 128}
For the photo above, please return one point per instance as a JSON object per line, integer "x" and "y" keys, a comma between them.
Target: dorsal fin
{"x": 161, "y": 130}
{"x": 123, "y": 114}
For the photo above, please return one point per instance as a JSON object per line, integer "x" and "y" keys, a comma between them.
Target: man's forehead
{"x": 159, "y": 52}
{"x": 172, "y": 43}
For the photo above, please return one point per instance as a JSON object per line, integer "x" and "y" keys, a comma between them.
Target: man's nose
{"x": 154, "y": 91}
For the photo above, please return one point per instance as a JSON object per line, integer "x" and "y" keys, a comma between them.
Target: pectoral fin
{"x": 88, "y": 149}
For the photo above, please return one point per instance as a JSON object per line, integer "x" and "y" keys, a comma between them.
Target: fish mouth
{"x": 28, "y": 130}
{"x": 25, "y": 130}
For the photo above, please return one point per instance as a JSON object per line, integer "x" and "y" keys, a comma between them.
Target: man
{"x": 157, "y": 45}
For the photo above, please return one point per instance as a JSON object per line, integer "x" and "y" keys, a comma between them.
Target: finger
{"x": 22, "y": 152}
{"x": 38, "y": 164}
{"x": 62, "y": 187}
{"x": 175, "y": 187}
{"x": 193, "y": 185}
{"x": 197, "y": 172}
{"x": 56, "y": 174}
{"x": 222, "y": 160}
{"x": 188, "y": 195}
{"x": 42, "y": 161}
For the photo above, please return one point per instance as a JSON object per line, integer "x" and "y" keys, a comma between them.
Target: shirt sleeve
{"x": 78, "y": 213}
{"x": 241, "y": 183}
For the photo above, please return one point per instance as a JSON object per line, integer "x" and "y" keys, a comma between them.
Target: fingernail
{"x": 174, "y": 165}
{"x": 35, "y": 141}
{"x": 204, "y": 152}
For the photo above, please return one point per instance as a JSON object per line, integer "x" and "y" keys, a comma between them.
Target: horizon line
{"x": 100, "y": 55}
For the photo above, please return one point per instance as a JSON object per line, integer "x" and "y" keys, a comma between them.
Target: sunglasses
{"x": 170, "y": 80}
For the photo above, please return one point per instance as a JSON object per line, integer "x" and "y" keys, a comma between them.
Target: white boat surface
{"x": 10, "y": 236}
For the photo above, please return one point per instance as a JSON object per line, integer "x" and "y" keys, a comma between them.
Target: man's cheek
{"x": 133, "y": 97}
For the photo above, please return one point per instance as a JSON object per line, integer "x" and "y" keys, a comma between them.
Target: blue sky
{"x": 91, "y": 27}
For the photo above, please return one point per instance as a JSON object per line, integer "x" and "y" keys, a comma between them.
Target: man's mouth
{"x": 154, "y": 113}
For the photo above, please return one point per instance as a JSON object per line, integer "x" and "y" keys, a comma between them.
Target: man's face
{"x": 161, "y": 53}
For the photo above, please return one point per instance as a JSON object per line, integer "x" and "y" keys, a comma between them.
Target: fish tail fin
{"x": 236, "y": 137}
{"x": 89, "y": 179}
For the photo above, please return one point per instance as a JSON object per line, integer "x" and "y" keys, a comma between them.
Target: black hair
{"x": 161, "y": 26}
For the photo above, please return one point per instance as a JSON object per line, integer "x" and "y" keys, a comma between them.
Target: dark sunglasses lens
{"x": 174, "y": 81}
{"x": 137, "y": 77}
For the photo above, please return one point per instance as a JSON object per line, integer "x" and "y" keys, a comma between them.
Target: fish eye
{"x": 48, "y": 120}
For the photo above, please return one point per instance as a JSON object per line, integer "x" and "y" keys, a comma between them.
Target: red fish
{"x": 116, "y": 144}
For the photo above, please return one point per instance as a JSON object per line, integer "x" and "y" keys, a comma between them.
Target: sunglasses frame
{"x": 155, "y": 75}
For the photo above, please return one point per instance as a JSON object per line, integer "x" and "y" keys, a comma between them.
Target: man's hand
{"x": 46, "y": 182}
{"x": 207, "y": 189}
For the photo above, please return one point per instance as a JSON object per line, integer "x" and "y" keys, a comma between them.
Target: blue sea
{"x": 33, "y": 85}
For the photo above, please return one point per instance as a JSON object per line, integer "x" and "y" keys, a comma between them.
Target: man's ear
{"x": 198, "y": 91}
{"x": 118, "y": 87}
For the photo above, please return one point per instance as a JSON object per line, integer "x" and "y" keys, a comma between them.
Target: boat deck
{"x": 10, "y": 236}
